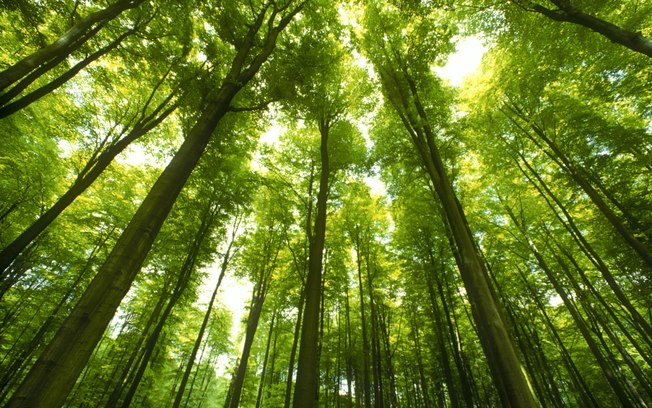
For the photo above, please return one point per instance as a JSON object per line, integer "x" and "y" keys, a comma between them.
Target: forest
{"x": 285, "y": 203}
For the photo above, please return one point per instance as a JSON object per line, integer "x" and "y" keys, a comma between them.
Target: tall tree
{"x": 407, "y": 82}
{"x": 53, "y": 375}
{"x": 322, "y": 100}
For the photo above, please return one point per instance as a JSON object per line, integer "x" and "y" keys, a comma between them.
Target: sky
{"x": 464, "y": 61}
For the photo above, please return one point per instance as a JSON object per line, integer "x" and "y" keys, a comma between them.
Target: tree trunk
{"x": 443, "y": 343}
{"x": 375, "y": 341}
{"x": 640, "y": 323}
{"x": 98, "y": 162}
{"x": 9, "y": 108}
{"x": 503, "y": 361}
{"x": 585, "y": 394}
{"x": 65, "y": 44}
{"x": 453, "y": 334}
{"x": 137, "y": 354}
{"x": 182, "y": 283}
{"x": 235, "y": 389}
{"x": 366, "y": 380}
{"x": 305, "y": 390}
{"x": 577, "y": 318}
{"x": 349, "y": 351}
{"x": 263, "y": 374}
{"x": 635, "y": 41}
{"x": 55, "y": 372}
{"x": 293, "y": 351}
{"x": 16, "y": 368}
{"x": 575, "y": 173}
{"x": 228, "y": 255}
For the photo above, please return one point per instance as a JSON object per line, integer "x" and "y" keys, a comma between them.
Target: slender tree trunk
{"x": 422, "y": 383}
{"x": 293, "y": 351}
{"x": 305, "y": 390}
{"x": 495, "y": 339}
{"x": 263, "y": 374}
{"x": 93, "y": 169}
{"x": 137, "y": 353}
{"x": 37, "y": 73}
{"x": 65, "y": 44}
{"x": 228, "y": 255}
{"x": 23, "y": 102}
{"x": 635, "y": 41}
{"x": 366, "y": 380}
{"x": 639, "y": 322}
{"x": 272, "y": 368}
{"x": 375, "y": 341}
{"x": 387, "y": 352}
{"x": 576, "y": 174}
{"x": 576, "y": 377}
{"x": 55, "y": 372}
{"x": 235, "y": 389}
{"x": 451, "y": 386}
{"x": 615, "y": 384}
{"x": 182, "y": 283}
{"x": 453, "y": 335}
{"x": 349, "y": 350}
{"x": 16, "y": 368}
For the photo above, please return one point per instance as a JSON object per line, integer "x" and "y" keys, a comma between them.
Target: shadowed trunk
{"x": 65, "y": 44}
{"x": 55, "y": 372}
{"x": 305, "y": 391}
{"x": 98, "y": 162}
{"x": 635, "y": 41}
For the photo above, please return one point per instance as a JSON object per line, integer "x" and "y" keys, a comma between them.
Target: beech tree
{"x": 301, "y": 203}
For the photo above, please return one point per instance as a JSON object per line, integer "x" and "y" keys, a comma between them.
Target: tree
{"x": 404, "y": 79}
{"x": 71, "y": 347}
{"x": 392, "y": 220}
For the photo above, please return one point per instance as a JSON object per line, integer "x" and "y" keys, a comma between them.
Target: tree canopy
{"x": 394, "y": 240}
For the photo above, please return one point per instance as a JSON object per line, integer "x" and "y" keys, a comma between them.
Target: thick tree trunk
{"x": 635, "y": 41}
{"x": 64, "y": 45}
{"x": 305, "y": 390}
{"x": 55, "y": 372}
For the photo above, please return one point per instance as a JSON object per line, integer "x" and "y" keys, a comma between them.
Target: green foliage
{"x": 554, "y": 111}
